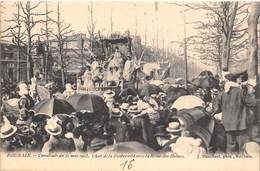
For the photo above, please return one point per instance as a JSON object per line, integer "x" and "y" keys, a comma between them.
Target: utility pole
{"x": 18, "y": 42}
{"x": 111, "y": 22}
{"x": 92, "y": 26}
{"x": 145, "y": 35}
{"x": 60, "y": 44}
{"x": 47, "y": 42}
{"x": 1, "y": 58}
{"x": 185, "y": 51}
{"x": 135, "y": 20}
{"x": 81, "y": 50}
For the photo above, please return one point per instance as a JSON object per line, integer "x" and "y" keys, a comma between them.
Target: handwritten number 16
{"x": 129, "y": 165}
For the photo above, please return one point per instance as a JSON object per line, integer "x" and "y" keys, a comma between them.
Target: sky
{"x": 168, "y": 19}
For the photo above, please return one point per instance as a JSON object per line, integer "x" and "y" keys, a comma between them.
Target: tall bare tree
{"x": 63, "y": 31}
{"x": 30, "y": 20}
{"x": 91, "y": 25}
{"x": 47, "y": 35}
{"x": 223, "y": 36}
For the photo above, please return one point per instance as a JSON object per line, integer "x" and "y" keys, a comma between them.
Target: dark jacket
{"x": 58, "y": 144}
{"x": 233, "y": 105}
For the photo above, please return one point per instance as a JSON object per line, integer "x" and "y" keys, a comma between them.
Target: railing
{"x": 101, "y": 88}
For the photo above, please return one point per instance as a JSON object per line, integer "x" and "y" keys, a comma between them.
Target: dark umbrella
{"x": 147, "y": 90}
{"x": 174, "y": 93}
{"x": 90, "y": 102}
{"x": 127, "y": 147}
{"x": 198, "y": 122}
{"x": 128, "y": 91}
{"x": 208, "y": 82}
{"x": 206, "y": 73}
{"x": 52, "y": 107}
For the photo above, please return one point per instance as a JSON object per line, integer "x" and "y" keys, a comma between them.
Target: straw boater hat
{"x": 162, "y": 94}
{"x": 115, "y": 112}
{"x": 108, "y": 93}
{"x": 144, "y": 106}
{"x": 174, "y": 127}
{"x": 7, "y": 130}
{"x": 124, "y": 106}
{"x": 52, "y": 127}
{"x": 133, "y": 109}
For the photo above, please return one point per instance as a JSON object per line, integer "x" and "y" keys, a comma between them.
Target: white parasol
{"x": 187, "y": 102}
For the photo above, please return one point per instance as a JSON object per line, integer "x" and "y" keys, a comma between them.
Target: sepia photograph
{"x": 116, "y": 83}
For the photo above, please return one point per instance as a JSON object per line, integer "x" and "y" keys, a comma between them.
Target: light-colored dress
{"x": 87, "y": 77}
{"x": 128, "y": 70}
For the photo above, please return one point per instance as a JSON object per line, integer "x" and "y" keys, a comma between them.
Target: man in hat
{"x": 161, "y": 136}
{"x": 174, "y": 132}
{"x": 232, "y": 103}
{"x": 57, "y": 141}
{"x": 138, "y": 124}
{"x": 119, "y": 125}
{"x": 109, "y": 98}
{"x": 9, "y": 142}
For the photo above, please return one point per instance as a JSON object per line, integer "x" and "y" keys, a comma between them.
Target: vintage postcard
{"x": 129, "y": 85}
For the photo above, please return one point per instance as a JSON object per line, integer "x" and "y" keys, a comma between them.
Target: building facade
{"x": 13, "y": 67}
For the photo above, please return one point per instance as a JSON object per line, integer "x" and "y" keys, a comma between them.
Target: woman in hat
{"x": 128, "y": 68}
{"x": 57, "y": 141}
{"x": 98, "y": 76}
{"x": 26, "y": 100}
{"x": 33, "y": 90}
{"x": 109, "y": 75}
{"x": 87, "y": 77}
{"x": 68, "y": 90}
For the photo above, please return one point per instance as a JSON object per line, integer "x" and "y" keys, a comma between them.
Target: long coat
{"x": 233, "y": 106}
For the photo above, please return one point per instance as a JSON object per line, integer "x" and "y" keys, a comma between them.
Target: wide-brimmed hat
{"x": 124, "y": 106}
{"x": 109, "y": 93}
{"x": 144, "y": 106}
{"x": 133, "y": 109}
{"x": 52, "y": 127}
{"x": 230, "y": 77}
{"x": 214, "y": 90}
{"x": 160, "y": 131}
{"x": 162, "y": 94}
{"x": 99, "y": 66}
{"x": 174, "y": 127}
{"x": 115, "y": 112}
{"x": 7, "y": 130}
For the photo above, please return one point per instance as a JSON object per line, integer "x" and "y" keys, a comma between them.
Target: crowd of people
{"x": 149, "y": 116}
